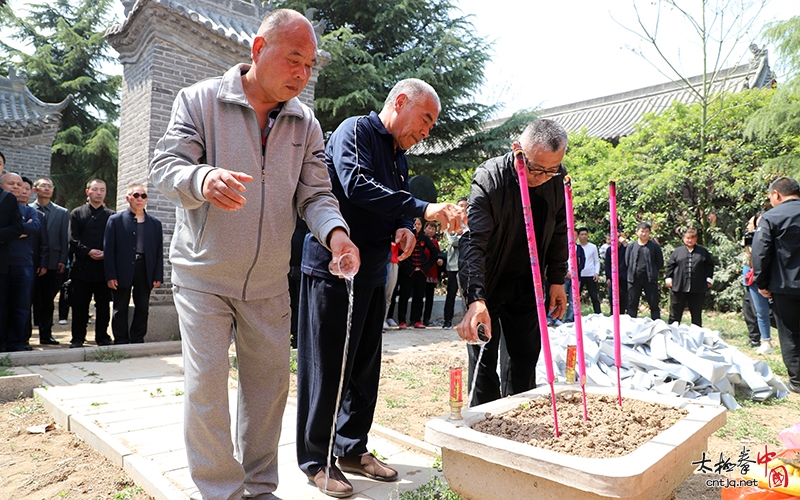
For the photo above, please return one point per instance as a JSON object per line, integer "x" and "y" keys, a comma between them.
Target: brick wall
{"x": 27, "y": 150}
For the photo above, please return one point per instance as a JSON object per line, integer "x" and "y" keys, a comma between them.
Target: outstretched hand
{"x": 222, "y": 188}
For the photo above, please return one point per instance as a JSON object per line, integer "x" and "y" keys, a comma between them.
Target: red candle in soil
{"x": 455, "y": 385}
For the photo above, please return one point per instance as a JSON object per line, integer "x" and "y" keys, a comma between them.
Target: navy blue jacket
{"x": 623, "y": 263}
{"x": 28, "y": 252}
{"x": 119, "y": 248}
{"x": 10, "y": 226}
{"x": 370, "y": 180}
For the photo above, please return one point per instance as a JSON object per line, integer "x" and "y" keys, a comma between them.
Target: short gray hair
{"x": 415, "y": 89}
{"x": 548, "y": 134}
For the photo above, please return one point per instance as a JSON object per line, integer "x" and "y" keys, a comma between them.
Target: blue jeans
{"x": 761, "y": 305}
{"x": 18, "y": 303}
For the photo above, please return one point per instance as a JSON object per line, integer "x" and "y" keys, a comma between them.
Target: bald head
{"x": 281, "y": 22}
{"x": 11, "y": 182}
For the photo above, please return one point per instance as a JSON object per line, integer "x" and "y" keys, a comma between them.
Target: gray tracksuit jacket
{"x": 241, "y": 254}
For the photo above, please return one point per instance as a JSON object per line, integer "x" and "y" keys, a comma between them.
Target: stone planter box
{"x": 479, "y": 466}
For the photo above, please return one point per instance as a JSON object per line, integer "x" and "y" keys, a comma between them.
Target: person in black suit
{"x": 10, "y": 230}
{"x": 87, "y": 227}
{"x": 39, "y": 245}
{"x": 690, "y": 273}
{"x": 134, "y": 262}
{"x": 47, "y": 285}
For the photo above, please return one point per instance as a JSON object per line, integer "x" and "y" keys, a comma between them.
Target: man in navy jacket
{"x": 134, "y": 262}
{"x": 369, "y": 174}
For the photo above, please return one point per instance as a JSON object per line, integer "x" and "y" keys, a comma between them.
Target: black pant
{"x": 787, "y": 316}
{"x": 430, "y": 288}
{"x": 515, "y": 320}
{"x": 623, "y": 296}
{"x": 590, "y": 284}
{"x": 294, "y": 301}
{"x": 650, "y": 294}
{"x": 411, "y": 286}
{"x": 45, "y": 289}
{"x": 141, "y": 305}
{"x": 64, "y": 299}
{"x": 678, "y": 301}
{"x": 320, "y": 346}
{"x": 82, "y": 292}
{"x": 750, "y": 318}
{"x": 450, "y": 300}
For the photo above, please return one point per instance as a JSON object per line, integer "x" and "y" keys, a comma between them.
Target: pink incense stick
{"x": 612, "y": 203}
{"x": 576, "y": 290}
{"x": 537, "y": 279}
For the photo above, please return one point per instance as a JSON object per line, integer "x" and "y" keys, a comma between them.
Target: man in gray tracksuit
{"x": 230, "y": 251}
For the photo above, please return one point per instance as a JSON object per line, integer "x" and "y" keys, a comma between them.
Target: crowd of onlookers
{"x": 90, "y": 253}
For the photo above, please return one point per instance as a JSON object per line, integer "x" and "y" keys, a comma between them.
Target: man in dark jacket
{"x": 645, "y": 261}
{"x": 690, "y": 273}
{"x": 623, "y": 275}
{"x": 133, "y": 259}
{"x": 10, "y": 230}
{"x": 776, "y": 260}
{"x": 494, "y": 264}
{"x": 87, "y": 227}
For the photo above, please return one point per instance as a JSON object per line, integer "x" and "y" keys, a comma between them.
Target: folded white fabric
{"x": 684, "y": 361}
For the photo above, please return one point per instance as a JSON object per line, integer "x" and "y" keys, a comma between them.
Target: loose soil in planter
{"x": 611, "y": 431}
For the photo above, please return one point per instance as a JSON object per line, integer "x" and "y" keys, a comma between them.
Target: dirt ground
{"x": 56, "y": 464}
{"x": 414, "y": 387}
{"x": 612, "y": 431}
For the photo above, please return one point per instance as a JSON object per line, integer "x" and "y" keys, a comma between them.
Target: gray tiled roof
{"x": 235, "y": 20}
{"x": 20, "y": 109}
{"x": 614, "y": 116}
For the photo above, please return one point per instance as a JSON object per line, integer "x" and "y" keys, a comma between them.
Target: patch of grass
{"x": 5, "y": 366}
{"x": 92, "y": 374}
{"x": 109, "y": 355}
{"x": 437, "y": 463}
{"x": 293, "y": 361}
{"x": 177, "y": 392}
{"x": 742, "y": 424}
{"x": 396, "y": 403}
{"x": 127, "y": 493}
{"x": 99, "y": 403}
{"x": 378, "y": 455}
{"x": 26, "y": 409}
{"x": 409, "y": 376}
{"x": 159, "y": 393}
{"x": 435, "y": 489}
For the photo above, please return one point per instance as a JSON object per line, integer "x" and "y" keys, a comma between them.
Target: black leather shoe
{"x": 20, "y": 348}
{"x": 48, "y": 341}
{"x": 75, "y": 345}
{"x": 104, "y": 342}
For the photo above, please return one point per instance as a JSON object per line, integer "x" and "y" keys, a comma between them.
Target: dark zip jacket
{"x": 776, "y": 249}
{"x": 497, "y": 230}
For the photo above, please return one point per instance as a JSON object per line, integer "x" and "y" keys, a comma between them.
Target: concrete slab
{"x": 19, "y": 386}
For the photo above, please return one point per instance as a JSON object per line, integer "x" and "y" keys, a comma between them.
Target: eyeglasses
{"x": 535, "y": 169}
{"x": 139, "y": 195}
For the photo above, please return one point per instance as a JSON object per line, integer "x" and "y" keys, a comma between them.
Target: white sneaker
{"x": 385, "y": 325}
{"x": 766, "y": 348}
{"x": 62, "y": 322}
{"x": 391, "y": 322}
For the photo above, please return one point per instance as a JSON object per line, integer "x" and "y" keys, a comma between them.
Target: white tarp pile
{"x": 685, "y": 361}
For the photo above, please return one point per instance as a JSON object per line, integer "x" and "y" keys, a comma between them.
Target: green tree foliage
{"x": 782, "y": 116}
{"x": 663, "y": 178}
{"x": 376, "y": 43}
{"x": 64, "y": 47}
